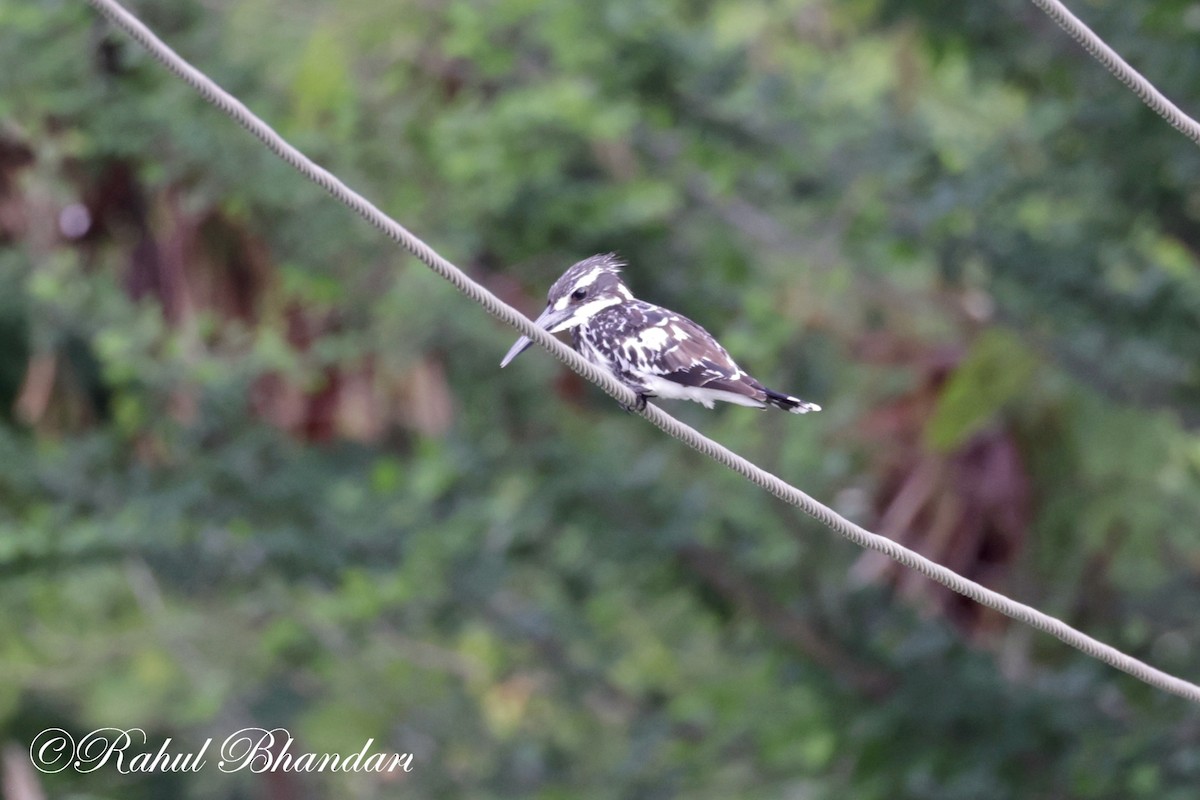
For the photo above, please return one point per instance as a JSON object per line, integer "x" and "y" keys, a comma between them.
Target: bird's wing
{"x": 687, "y": 354}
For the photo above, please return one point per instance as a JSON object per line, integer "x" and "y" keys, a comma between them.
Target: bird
{"x": 654, "y": 351}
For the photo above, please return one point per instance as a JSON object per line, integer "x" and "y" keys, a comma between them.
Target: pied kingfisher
{"x": 653, "y": 351}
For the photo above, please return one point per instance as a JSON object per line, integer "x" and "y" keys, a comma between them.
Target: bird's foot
{"x": 638, "y": 405}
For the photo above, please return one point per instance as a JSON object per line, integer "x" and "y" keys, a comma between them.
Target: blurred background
{"x": 260, "y": 467}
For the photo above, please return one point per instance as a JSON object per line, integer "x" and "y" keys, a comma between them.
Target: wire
{"x": 1119, "y": 67}
{"x": 665, "y": 422}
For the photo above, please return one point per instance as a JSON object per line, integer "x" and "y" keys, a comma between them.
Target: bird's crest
{"x": 585, "y": 273}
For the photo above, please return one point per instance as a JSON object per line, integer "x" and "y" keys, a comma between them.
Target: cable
{"x": 665, "y": 422}
{"x": 1119, "y": 67}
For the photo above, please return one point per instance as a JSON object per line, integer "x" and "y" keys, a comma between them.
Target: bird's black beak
{"x": 551, "y": 320}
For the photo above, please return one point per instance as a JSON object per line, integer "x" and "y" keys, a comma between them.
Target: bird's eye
{"x": 579, "y": 294}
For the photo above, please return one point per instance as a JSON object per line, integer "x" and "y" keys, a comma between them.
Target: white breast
{"x": 661, "y": 387}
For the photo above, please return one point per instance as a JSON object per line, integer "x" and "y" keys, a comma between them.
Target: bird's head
{"x": 583, "y": 291}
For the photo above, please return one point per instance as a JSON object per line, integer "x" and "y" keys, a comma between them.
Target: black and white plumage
{"x": 653, "y": 351}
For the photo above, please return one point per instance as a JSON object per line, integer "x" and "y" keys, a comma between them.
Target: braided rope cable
{"x": 1120, "y": 68}
{"x": 665, "y": 422}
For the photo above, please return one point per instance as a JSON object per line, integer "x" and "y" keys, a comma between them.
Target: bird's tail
{"x": 788, "y": 403}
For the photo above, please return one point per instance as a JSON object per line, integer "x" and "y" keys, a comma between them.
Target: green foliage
{"x": 276, "y": 478}
{"x": 996, "y": 372}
